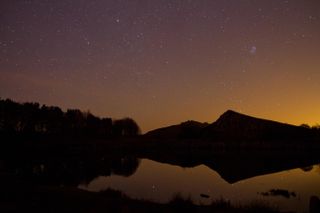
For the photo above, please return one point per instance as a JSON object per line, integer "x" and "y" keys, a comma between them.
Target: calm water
{"x": 160, "y": 182}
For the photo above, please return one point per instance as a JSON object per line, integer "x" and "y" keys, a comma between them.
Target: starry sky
{"x": 162, "y": 62}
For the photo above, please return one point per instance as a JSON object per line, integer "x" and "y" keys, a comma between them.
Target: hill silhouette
{"x": 188, "y": 129}
{"x": 44, "y": 146}
{"x": 232, "y": 125}
{"x": 32, "y": 119}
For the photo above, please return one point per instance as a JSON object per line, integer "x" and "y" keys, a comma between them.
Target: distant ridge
{"x": 188, "y": 129}
{"x": 234, "y": 125}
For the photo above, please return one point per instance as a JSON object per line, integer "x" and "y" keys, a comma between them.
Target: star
{"x": 253, "y": 50}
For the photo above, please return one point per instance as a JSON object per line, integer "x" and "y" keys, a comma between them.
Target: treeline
{"x": 315, "y": 127}
{"x": 34, "y": 119}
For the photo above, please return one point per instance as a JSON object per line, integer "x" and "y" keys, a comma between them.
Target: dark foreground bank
{"x": 18, "y": 196}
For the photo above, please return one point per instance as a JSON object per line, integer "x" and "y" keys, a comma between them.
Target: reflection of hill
{"x": 72, "y": 165}
{"x": 236, "y": 168}
{"x": 236, "y": 165}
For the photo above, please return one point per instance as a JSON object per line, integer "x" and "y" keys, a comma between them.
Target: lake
{"x": 288, "y": 190}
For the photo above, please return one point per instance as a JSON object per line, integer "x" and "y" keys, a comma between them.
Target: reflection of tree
{"x": 279, "y": 192}
{"x": 73, "y": 171}
{"x": 126, "y": 166}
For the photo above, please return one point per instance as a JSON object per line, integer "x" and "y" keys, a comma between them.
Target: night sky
{"x": 162, "y": 62}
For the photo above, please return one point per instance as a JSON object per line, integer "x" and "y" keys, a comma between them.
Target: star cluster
{"x": 163, "y": 62}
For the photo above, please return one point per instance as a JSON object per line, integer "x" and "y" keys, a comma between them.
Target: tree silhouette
{"x": 10, "y": 116}
{"x": 125, "y": 127}
{"x": 106, "y": 127}
{"x": 305, "y": 126}
{"x": 30, "y": 119}
{"x": 51, "y": 120}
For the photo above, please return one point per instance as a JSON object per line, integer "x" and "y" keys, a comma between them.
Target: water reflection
{"x": 201, "y": 173}
{"x": 279, "y": 192}
{"x": 125, "y": 166}
{"x": 237, "y": 166}
{"x": 159, "y": 182}
{"x": 72, "y": 171}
